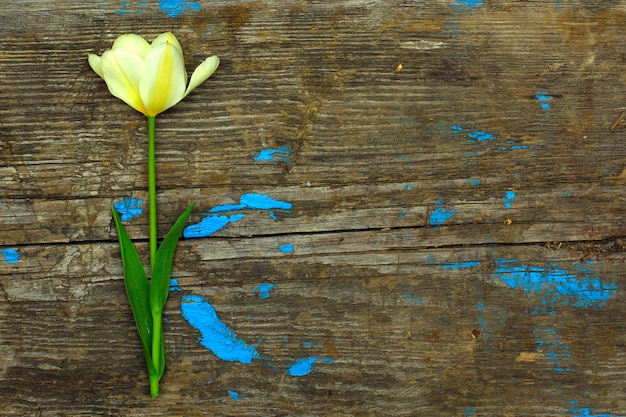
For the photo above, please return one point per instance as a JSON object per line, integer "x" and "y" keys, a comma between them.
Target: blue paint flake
{"x": 263, "y": 202}
{"x": 11, "y": 256}
{"x": 174, "y": 285}
{"x": 234, "y": 395}
{"x": 216, "y": 336}
{"x": 407, "y": 187}
{"x": 586, "y": 412}
{"x": 214, "y": 222}
{"x": 129, "y": 208}
{"x": 479, "y": 136}
{"x": 210, "y": 225}
{"x": 461, "y": 265}
{"x": 470, "y": 3}
{"x": 302, "y": 367}
{"x": 288, "y": 248}
{"x": 556, "y": 286}
{"x": 308, "y": 344}
{"x": 549, "y": 343}
{"x": 174, "y": 8}
{"x": 264, "y": 290}
{"x": 412, "y": 298}
{"x": 509, "y": 196}
{"x": 456, "y": 129}
{"x": 281, "y": 154}
{"x": 235, "y": 217}
{"x": 543, "y": 98}
{"x": 441, "y": 214}
{"x": 469, "y": 412}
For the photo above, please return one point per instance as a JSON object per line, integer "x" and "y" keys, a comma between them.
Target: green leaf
{"x": 162, "y": 270}
{"x": 137, "y": 289}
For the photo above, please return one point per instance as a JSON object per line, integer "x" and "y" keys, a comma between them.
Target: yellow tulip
{"x": 150, "y": 78}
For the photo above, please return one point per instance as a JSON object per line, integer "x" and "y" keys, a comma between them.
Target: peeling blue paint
{"x": 288, "y": 248}
{"x": 441, "y": 214}
{"x": 303, "y": 367}
{"x": 461, "y": 265}
{"x": 553, "y": 286}
{"x": 174, "y": 285}
{"x": 475, "y": 136}
{"x": 549, "y": 343}
{"x": 412, "y": 298}
{"x": 479, "y": 136}
{"x": 213, "y": 222}
{"x": 281, "y": 154}
{"x": 263, "y": 202}
{"x": 216, "y": 336}
{"x": 469, "y": 412}
{"x": 129, "y": 208}
{"x": 514, "y": 147}
{"x": 210, "y": 225}
{"x": 470, "y": 3}
{"x": 482, "y": 322}
{"x": 543, "y": 98}
{"x": 587, "y": 412}
{"x": 407, "y": 187}
{"x": 234, "y": 395}
{"x": 509, "y": 196}
{"x": 174, "y": 8}
{"x": 264, "y": 290}
{"x": 11, "y": 256}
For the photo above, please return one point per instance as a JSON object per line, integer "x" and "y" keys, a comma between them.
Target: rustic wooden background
{"x": 456, "y": 175}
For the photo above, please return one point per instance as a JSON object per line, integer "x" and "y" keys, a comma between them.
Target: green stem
{"x": 157, "y": 341}
{"x": 157, "y": 332}
{"x": 152, "y": 191}
{"x": 154, "y": 385}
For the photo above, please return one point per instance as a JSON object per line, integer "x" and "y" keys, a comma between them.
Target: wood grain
{"x": 458, "y": 249}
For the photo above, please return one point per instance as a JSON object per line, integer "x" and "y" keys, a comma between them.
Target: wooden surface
{"x": 457, "y": 221}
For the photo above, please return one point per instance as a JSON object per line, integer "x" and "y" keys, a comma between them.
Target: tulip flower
{"x": 151, "y": 78}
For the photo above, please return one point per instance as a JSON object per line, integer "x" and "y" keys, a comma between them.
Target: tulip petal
{"x": 167, "y": 37}
{"x": 170, "y": 38}
{"x": 202, "y": 72}
{"x": 134, "y": 44}
{"x": 162, "y": 84}
{"x": 94, "y": 63}
{"x": 121, "y": 70}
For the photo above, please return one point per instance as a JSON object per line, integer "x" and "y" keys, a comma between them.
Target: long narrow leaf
{"x": 162, "y": 271}
{"x": 137, "y": 289}
{"x": 161, "y": 368}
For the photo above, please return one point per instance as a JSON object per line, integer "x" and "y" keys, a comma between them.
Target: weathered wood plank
{"x": 427, "y": 356}
{"x": 456, "y": 224}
